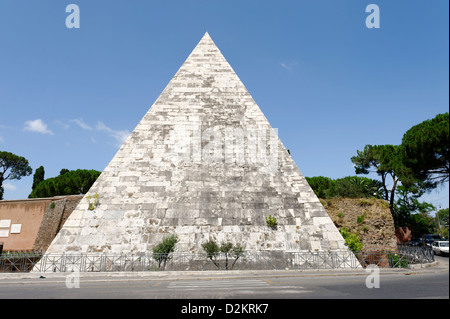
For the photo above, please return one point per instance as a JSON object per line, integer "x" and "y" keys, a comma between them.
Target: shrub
{"x": 360, "y": 219}
{"x": 161, "y": 253}
{"x": 352, "y": 240}
{"x": 70, "y": 183}
{"x": 271, "y": 222}
{"x": 213, "y": 250}
{"x": 94, "y": 202}
{"x": 364, "y": 202}
{"x": 397, "y": 261}
{"x": 347, "y": 187}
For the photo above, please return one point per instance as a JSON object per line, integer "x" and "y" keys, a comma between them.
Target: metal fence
{"x": 250, "y": 260}
{"x": 416, "y": 254}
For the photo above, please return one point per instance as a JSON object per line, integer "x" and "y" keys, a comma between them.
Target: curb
{"x": 206, "y": 275}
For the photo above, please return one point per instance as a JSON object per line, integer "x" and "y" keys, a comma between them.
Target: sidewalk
{"x": 215, "y": 275}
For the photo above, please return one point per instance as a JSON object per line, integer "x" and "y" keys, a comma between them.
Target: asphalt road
{"x": 427, "y": 283}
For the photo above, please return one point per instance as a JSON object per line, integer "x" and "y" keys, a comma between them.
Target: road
{"x": 426, "y": 283}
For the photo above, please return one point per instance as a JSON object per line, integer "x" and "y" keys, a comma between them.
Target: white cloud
{"x": 289, "y": 66}
{"x": 9, "y": 187}
{"x": 81, "y": 124}
{"x": 119, "y": 136}
{"x": 62, "y": 124}
{"x": 37, "y": 126}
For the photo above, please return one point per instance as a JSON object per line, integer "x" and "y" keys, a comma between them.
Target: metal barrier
{"x": 416, "y": 254}
{"x": 19, "y": 261}
{"x": 250, "y": 260}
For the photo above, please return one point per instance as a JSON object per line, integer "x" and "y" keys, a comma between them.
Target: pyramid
{"x": 203, "y": 163}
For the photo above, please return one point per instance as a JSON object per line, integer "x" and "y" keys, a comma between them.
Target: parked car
{"x": 415, "y": 241}
{"x": 430, "y": 238}
{"x": 440, "y": 248}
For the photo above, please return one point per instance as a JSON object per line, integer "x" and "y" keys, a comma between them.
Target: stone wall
{"x": 55, "y": 216}
{"x": 31, "y": 224}
{"x": 41, "y": 221}
{"x": 370, "y": 219}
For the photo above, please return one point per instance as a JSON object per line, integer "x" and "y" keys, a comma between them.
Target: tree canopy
{"x": 348, "y": 187}
{"x": 386, "y": 161}
{"x": 38, "y": 176}
{"x": 425, "y": 150}
{"x": 410, "y": 169}
{"x": 69, "y": 183}
{"x": 12, "y": 167}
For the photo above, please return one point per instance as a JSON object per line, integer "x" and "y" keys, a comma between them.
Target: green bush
{"x": 161, "y": 253}
{"x": 397, "y": 261}
{"x": 271, "y": 222}
{"x": 360, "y": 219}
{"x": 71, "y": 183}
{"x": 347, "y": 187}
{"x": 213, "y": 250}
{"x": 323, "y": 186}
{"x": 352, "y": 240}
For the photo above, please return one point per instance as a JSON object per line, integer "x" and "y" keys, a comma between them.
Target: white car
{"x": 440, "y": 247}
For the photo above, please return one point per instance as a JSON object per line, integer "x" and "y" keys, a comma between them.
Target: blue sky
{"x": 329, "y": 84}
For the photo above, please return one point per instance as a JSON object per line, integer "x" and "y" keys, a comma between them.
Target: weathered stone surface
{"x": 54, "y": 218}
{"x": 203, "y": 163}
{"x": 375, "y": 226}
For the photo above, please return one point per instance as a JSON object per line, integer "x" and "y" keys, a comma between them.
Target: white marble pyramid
{"x": 203, "y": 163}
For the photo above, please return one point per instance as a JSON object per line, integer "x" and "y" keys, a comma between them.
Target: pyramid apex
{"x": 206, "y": 40}
{"x": 206, "y": 36}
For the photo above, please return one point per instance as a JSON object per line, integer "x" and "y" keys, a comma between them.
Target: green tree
{"x": 38, "y": 176}
{"x": 351, "y": 240}
{"x": 386, "y": 161}
{"x": 71, "y": 183}
{"x": 322, "y": 186}
{"x": 357, "y": 187}
{"x": 12, "y": 167}
{"x": 421, "y": 223}
{"x": 348, "y": 187}
{"x": 442, "y": 214}
{"x": 161, "y": 253}
{"x": 213, "y": 250}
{"x": 407, "y": 204}
{"x": 425, "y": 150}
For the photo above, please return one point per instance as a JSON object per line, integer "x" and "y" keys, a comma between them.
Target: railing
{"x": 19, "y": 261}
{"x": 250, "y": 260}
{"x": 416, "y": 254}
